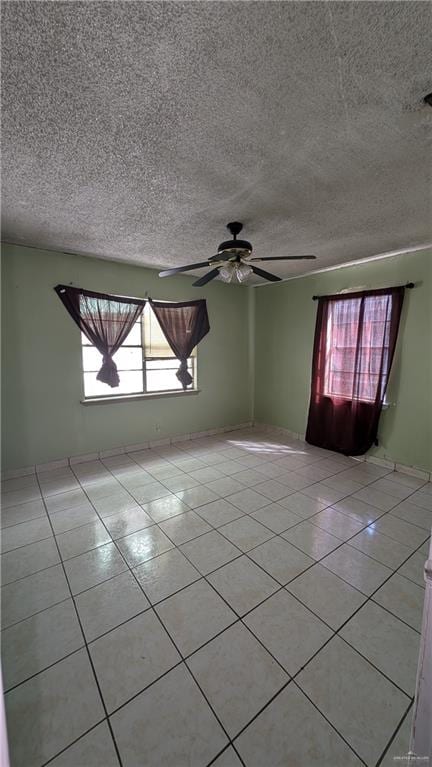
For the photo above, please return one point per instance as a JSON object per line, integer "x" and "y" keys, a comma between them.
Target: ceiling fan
{"x": 232, "y": 263}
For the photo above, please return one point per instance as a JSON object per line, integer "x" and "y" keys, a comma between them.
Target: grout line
{"x": 180, "y": 655}
{"x": 130, "y": 568}
{"x": 85, "y": 643}
{"x": 398, "y": 728}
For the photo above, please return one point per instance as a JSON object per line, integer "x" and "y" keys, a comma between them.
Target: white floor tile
{"x": 399, "y": 530}
{"x": 362, "y": 572}
{"x": 64, "y": 501}
{"x": 386, "y": 642}
{"x": 302, "y": 505}
{"x": 210, "y": 551}
{"x": 414, "y": 568}
{"x": 96, "y": 748}
{"x": 338, "y": 524}
{"x": 14, "y": 515}
{"x": 413, "y": 514}
{"x": 94, "y": 567}
{"x": 288, "y": 630}
{"x": 82, "y": 539}
{"x": 196, "y": 496}
{"x": 173, "y": 528}
{"x": 329, "y": 597}
{"x": 280, "y": 559}
{"x": 380, "y": 547}
{"x": 400, "y": 745}
{"x": 34, "y": 593}
{"x": 354, "y": 697}
{"x": 248, "y": 501}
{"x": 246, "y": 533}
{"x": 165, "y": 508}
{"x": 237, "y": 675}
{"x": 25, "y": 533}
{"x": 169, "y": 724}
{"x": 403, "y": 598}
{"x": 194, "y": 615}
{"x": 165, "y": 574}
{"x": 28, "y": 560}
{"x": 62, "y": 521}
{"x": 105, "y": 606}
{"x": 228, "y": 758}
{"x": 311, "y": 539}
{"x": 53, "y": 709}
{"x": 143, "y": 545}
{"x": 243, "y": 584}
{"x": 218, "y": 512}
{"x": 39, "y": 641}
{"x": 184, "y": 527}
{"x": 130, "y": 657}
{"x": 358, "y": 510}
{"x": 276, "y": 517}
{"x": 225, "y": 486}
{"x": 290, "y": 731}
{"x": 127, "y": 522}
{"x": 376, "y": 497}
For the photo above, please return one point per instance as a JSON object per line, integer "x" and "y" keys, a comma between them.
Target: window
{"x": 351, "y": 358}
{"x": 145, "y": 362}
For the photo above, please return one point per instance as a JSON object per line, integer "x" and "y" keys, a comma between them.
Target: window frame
{"x": 144, "y": 392}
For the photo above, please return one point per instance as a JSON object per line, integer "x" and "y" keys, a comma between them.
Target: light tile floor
{"x": 242, "y": 599}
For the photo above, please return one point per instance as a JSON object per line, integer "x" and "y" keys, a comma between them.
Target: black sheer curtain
{"x": 355, "y": 339}
{"x": 105, "y": 320}
{"x": 184, "y": 325}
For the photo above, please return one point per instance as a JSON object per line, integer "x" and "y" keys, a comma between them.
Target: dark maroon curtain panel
{"x": 105, "y": 320}
{"x": 184, "y": 324}
{"x": 355, "y": 339}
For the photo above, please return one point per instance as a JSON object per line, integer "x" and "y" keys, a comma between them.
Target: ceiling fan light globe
{"x": 243, "y": 271}
{"x": 227, "y": 272}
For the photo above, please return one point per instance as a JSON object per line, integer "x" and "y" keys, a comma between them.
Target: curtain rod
{"x": 407, "y": 285}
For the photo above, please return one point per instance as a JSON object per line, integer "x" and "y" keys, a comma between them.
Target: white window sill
{"x": 133, "y": 397}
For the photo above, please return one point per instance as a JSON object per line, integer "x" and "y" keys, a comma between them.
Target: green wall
{"x": 256, "y": 360}
{"x": 285, "y": 322}
{"x": 41, "y": 361}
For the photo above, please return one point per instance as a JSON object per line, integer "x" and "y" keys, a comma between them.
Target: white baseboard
{"x": 414, "y": 471}
{"x": 72, "y": 460}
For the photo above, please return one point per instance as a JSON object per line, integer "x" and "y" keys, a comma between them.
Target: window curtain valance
{"x": 184, "y": 325}
{"x": 105, "y": 320}
{"x": 357, "y": 332}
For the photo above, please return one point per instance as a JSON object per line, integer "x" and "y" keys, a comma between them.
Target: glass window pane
{"x": 92, "y": 360}
{"x": 127, "y": 358}
{"x": 133, "y": 339}
{"x": 162, "y": 380}
{"x": 161, "y": 375}
{"x": 131, "y": 382}
{"x": 156, "y": 344}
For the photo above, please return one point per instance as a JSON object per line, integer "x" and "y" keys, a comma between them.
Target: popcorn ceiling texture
{"x": 135, "y": 130}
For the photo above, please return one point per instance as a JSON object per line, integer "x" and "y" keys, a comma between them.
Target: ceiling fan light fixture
{"x": 243, "y": 272}
{"x": 227, "y": 272}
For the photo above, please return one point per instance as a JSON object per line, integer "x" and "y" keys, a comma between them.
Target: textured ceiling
{"x": 136, "y": 130}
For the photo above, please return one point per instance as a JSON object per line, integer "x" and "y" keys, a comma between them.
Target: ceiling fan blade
{"x": 177, "y": 269}
{"x": 266, "y": 275}
{"x": 207, "y": 277}
{"x": 281, "y": 258}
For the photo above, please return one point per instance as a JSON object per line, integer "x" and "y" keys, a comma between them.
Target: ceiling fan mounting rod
{"x": 235, "y": 228}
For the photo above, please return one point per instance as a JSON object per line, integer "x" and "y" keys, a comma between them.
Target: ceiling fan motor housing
{"x": 236, "y": 246}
